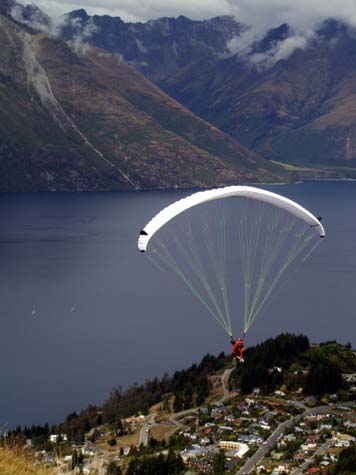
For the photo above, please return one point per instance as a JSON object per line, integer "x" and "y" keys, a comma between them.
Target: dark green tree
{"x": 188, "y": 397}
{"x": 113, "y": 469}
{"x": 219, "y": 463}
{"x": 74, "y": 459}
{"x": 324, "y": 377}
{"x": 346, "y": 461}
{"x": 178, "y": 403}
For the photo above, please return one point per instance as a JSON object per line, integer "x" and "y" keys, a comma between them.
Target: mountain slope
{"x": 300, "y": 109}
{"x": 158, "y": 48}
{"x": 85, "y": 121}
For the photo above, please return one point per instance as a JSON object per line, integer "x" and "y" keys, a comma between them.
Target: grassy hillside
{"x": 19, "y": 462}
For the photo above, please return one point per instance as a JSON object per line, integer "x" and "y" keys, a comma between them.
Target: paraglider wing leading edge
{"x": 265, "y": 196}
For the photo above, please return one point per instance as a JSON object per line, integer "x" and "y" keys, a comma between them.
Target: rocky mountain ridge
{"x": 298, "y": 109}
{"x": 80, "y": 119}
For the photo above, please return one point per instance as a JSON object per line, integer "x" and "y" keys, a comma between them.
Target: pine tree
{"x": 219, "y": 463}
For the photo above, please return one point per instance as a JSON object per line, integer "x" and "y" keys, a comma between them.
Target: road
{"x": 174, "y": 419}
{"x": 257, "y": 457}
{"x": 322, "y": 449}
{"x": 266, "y": 447}
{"x": 145, "y": 430}
{"x": 224, "y": 383}
{"x": 144, "y": 434}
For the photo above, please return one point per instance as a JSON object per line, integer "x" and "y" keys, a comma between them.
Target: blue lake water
{"x": 103, "y": 315}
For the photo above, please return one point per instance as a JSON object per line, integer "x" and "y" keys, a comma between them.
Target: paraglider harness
{"x": 238, "y": 349}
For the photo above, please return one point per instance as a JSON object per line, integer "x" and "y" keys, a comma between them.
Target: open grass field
{"x": 162, "y": 431}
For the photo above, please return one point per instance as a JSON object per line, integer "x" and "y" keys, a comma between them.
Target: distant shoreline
{"x": 189, "y": 189}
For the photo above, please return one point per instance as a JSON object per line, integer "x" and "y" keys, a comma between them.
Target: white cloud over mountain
{"x": 259, "y": 16}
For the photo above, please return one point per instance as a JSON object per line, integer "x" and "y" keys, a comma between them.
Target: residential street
{"x": 262, "y": 451}
{"x": 321, "y": 450}
{"x": 267, "y": 446}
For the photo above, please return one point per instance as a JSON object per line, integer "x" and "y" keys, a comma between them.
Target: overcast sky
{"x": 303, "y": 16}
{"x": 259, "y": 13}
{"x": 139, "y": 10}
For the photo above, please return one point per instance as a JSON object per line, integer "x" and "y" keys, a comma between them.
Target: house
{"x": 249, "y": 401}
{"x": 313, "y": 470}
{"x": 205, "y": 441}
{"x": 241, "y": 449}
{"x": 327, "y": 426}
{"x": 351, "y": 425}
{"x": 54, "y": 438}
{"x": 343, "y": 440}
{"x": 265, "y": 426}
{"x": 90, "y": 451}
{"x": 229, "y": 418}
{"x": 210, "y": 424}
{"x": 282, "y": 469}
{"x": 308, "y": 446}
{"x": 223, "y": 428}
{"x": 192, "y": 451}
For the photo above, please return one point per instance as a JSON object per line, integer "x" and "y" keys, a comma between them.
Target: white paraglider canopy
{"x": 265, "y": 196}
{"x": 231, "y": 246}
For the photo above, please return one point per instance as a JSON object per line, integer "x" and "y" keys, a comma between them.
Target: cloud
{"x": 259, "y": 16}
{"x": 81, "y": 34}
{"x": 139, "y": 10}
{"x": 281, "y": 50}
{"x": 304, "y": 17}
{"x": 53, "y": 26}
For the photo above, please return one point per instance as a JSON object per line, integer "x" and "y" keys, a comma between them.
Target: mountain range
{"x": 95, "y": 103}
{"x": 299, "y": 109}
{"x": 76, "y": 117}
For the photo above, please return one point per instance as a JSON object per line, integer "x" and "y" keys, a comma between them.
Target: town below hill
{"x": 289, "y": 409}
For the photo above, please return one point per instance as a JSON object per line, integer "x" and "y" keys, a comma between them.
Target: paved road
{"x": 261, "y": 452}
{"x": 174, "y": 419}
{"x": 321, "y": 450}
{"x": 225, "y": 384}
{"x": 144, "y": 434}
{"x": 268, "y": 445}
{"x": 145, "y": 430}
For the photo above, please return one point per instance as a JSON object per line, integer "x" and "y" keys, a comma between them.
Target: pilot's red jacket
{"x": 238, "y": 348}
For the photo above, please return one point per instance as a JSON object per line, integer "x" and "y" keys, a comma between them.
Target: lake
{"x": 83, "y": 311}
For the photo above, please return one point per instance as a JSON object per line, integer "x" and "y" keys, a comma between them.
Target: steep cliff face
{"x": 299, "y": 109}
{"x": 158, "y": 48}
{"x": 83, "y": 120}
